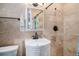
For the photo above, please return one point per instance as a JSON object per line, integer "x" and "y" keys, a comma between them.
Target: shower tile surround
{"x": 63, "y": 42}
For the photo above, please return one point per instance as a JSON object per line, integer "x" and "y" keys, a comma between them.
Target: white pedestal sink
{"x": 37, "y": 47}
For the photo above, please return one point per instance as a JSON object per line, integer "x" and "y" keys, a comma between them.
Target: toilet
{"x": 9, "y": 50}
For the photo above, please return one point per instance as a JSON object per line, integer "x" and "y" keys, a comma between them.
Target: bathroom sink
{"x": 36, "y": 42}
{"x": 37, "y": 47}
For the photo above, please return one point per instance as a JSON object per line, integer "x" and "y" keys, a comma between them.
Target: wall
{"x": 10, "y": 33}
{"x": 64, "y": 42}
{"x": 52, "y": 18}
{"x": 71, "y": 28}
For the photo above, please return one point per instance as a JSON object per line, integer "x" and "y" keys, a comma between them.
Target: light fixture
{"x": 37, "y": 4}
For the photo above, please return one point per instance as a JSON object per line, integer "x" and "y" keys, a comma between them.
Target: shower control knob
{"x": 55, "y": 28}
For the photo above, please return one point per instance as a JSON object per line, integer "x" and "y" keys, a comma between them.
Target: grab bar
{"x": 11, "y": 18}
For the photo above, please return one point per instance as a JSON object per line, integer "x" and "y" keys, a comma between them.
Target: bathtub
{"x": 8, "y": 50}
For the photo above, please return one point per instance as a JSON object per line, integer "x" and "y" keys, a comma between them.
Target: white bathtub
{"x": 8, "y": 50}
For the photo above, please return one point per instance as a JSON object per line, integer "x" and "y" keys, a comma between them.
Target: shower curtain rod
{"x": 10, "y": 18}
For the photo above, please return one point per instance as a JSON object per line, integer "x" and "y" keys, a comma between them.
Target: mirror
{"x": 32, "y": 20}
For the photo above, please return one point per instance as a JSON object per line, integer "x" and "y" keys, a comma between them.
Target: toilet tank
{"x": 37, "y": 47}
{"x": 8, "y": 50}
